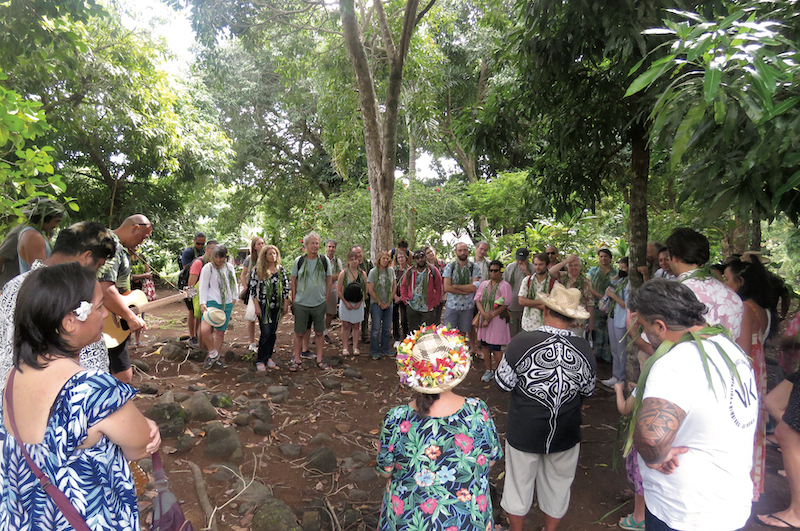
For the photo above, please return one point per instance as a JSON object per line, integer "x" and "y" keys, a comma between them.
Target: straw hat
{"x": 752, "y": 256}
{"x": 215, "y": 317}
{"x": 565, "y": 301}
{"x": 446, "y": 360}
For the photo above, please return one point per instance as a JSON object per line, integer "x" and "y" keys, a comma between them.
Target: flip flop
{"x": 293, "y": 366}
{"x": 787, "y": 526}
{"x": 260, "y": 367}
{"x": 323, "y": 366}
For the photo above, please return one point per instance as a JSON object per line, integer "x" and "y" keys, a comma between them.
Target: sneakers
{"x": 253, "y": 347}
{"x": 308, "y": 355}
{"x": 194, "y": 342}
{"x": 487, "y": 376}
{"x": 376, "y": 356}
{"x": 610, "y": 382}
{"x": 214, "y": 359}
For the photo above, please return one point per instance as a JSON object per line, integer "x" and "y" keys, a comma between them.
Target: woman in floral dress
{"x": 270, "y": 291}
{"x": 437, "y": 450}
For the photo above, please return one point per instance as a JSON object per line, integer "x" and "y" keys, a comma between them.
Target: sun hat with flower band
{"x": 565, "y": 301}
{"x": 433, "y": 360}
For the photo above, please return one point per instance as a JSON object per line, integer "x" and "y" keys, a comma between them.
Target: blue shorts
{"x": 228, "y": 308}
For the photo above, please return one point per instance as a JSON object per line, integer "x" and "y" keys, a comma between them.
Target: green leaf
{"x": 684, "y": 133}
{"x": 711, "y": 80}
{"x": 793, "y": 182}
{"x": 650, "y": 75}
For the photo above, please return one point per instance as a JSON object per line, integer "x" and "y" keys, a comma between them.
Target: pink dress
{"x": 760, "y": 370}
{"x": 497, "y": 332}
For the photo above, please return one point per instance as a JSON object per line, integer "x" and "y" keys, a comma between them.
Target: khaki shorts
{"x": 550, "y": 475}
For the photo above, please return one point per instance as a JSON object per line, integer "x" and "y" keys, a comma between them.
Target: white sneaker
{"x": 253, "y": 347}
{"x": 487, "y": 376}
{"x": 610, "y": 382}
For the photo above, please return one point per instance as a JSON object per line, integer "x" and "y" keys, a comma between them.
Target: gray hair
{"x": 330, "y": 241}
{"x": 307, "y": 237}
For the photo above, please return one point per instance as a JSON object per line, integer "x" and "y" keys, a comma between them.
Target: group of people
{"x": 692, "y": 341}
{"x": 70, "y": 425}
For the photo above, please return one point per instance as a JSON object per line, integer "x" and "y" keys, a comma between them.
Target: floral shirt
{"x": 532, "y": 318}
{"x": 600, "y": 280}
{"x": 725, "y": 307}
{"x": 461, "y": 275}
{"x": 96, "y": 479}
{"x": 440, "y": 469}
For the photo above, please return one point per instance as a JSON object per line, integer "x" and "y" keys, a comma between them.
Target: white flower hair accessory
{"x": 83, "y": 310}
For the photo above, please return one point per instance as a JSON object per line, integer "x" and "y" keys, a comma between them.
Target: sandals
{"x": 761, "y": 521}
{"x": 271, "y": 364}
{"x": 323, "y": 366}
{"x": 628, "y": 522}
{"x": 345, "y": 353}
{"x": 356, "y": 352}
{"x": 260, "y": 367}
{"x": 293, "y": 366}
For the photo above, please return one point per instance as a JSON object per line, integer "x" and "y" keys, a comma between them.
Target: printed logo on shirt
{"x": 743, "y": 399}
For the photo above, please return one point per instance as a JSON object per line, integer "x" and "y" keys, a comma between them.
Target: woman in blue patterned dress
{"x": 79, "y": 425}
{"x": 437, "y": 450}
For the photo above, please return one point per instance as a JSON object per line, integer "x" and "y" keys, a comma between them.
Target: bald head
{"x": 134, "y": 230}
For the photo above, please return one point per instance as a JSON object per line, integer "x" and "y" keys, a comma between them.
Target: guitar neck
{"x": 139, "y": 308}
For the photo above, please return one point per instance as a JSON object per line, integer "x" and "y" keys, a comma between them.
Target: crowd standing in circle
{"x": 536, "y": 322}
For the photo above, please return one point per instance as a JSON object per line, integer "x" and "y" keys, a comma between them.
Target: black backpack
{"x": 319, "y": 257}
{"x": 353, "y": 292}
{"x": 183, "y": 276}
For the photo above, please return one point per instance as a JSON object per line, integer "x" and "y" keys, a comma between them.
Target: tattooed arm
{"x": 657, "y": 424}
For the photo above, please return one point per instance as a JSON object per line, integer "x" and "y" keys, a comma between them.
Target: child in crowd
{"x": 635, "y": 520}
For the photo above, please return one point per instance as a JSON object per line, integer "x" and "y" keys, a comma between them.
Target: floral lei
{"x": 421, "y": 373}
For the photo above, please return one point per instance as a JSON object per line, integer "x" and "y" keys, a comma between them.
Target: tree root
{"x": 202, "y": 495}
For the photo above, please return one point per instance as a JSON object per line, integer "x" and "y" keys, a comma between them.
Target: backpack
{"x": 183, "y": 276}
{"x": 303, "y": 259}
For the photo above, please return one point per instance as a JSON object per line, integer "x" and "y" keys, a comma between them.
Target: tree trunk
{"x": 412, "y": 179}
{"x": 637, "y": 223}
{"x": 755, "y": 234}
{"x": 380, "y": 138}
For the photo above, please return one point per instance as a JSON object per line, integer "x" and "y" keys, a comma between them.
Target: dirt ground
{"x": 600, "y": 494}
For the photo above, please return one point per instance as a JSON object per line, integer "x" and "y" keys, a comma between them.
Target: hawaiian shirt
{"x": 724, "y": 305}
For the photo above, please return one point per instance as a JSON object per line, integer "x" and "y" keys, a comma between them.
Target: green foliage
{"x": 728, "y": 107}
{"x": 25, "y": 169}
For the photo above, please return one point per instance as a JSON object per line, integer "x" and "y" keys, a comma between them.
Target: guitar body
{"x": 115, "y": 329}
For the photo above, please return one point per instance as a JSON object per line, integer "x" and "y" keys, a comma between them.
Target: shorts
{"x": 189, "y": 305}
{"x": 493, "y": 348}
{"x": 305, "y": 315}
{"x": 119, "y": 359}
{"x": 228, "y": 310}
{"x": 551, "y": 475}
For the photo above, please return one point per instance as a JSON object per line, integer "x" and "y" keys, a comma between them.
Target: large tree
{"x": 377, "y": 38}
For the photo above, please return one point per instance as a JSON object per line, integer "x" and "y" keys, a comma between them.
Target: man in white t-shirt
{"x": 695, "y": 427}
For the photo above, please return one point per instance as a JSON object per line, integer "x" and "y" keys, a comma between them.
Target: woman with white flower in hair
{"x": 437, "y": 450}
{"x": 76, "y": 426}
{"x": 217, "y": 291}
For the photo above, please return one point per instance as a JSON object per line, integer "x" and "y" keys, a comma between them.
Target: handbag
{"x": 62, "y": 502}
{"x": 604, "y": 305}
{"x": 245, "y": 295}
{"x": 167, "y": 512}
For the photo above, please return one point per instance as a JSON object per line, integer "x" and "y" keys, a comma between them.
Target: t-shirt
{"x": 197, "y": 267}
{"x": 218, "y": 285}
{"x": 383, "y": 283}
{"x": 189, "y": 254}
{"x": 311, "y": 280}
{"x": 118, "y": 268}
{"x": 483, "y": 267}
{"x": 514, "y": 276}
{"x": 461, "y": 275}
{"x": 547, "y": 371}
{"x": 711, "y": 489}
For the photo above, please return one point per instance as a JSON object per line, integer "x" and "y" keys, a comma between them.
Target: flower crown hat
{"x": 433, "y": 360}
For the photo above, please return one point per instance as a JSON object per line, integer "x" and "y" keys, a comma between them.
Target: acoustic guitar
{"x": 116, "y": 329}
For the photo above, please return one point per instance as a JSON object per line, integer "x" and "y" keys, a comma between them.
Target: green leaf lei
{"x": 701, "y": 273}
{"x": 663, "y": 350}
{"x": 319, "y": 269}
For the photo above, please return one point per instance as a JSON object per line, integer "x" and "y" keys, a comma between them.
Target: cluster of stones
{"x": 191, "y": 418}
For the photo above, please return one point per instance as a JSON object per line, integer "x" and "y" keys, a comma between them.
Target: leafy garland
{"x": 222, "y": 284}
{"x": 319, "y": 268}
{"x": 422, "y": 373}
{"x": 266, "y": 314}
{"x": 383, "y": 283}
{"x": 663, "y": 350}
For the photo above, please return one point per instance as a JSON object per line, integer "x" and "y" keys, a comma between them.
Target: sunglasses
{"x": 420, "y": 255}
{"x": 552, "y": 253}
{"x": 494, "y": 271}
